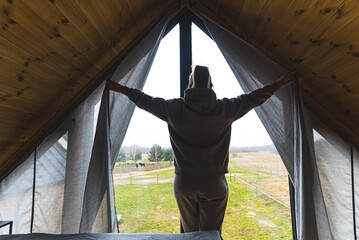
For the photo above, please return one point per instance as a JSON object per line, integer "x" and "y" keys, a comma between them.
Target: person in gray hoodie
{"x": 200, "y": 129}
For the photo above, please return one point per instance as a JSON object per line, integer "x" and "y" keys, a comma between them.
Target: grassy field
{"x": 264, "y": 170}
{"x": 152, "y": 208}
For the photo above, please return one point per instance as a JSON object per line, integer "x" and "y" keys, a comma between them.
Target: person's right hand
{"x": 114, "y": 86}
{"x": 286, "y": 79}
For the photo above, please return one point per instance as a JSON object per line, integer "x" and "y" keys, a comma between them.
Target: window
{"x": 258, "y": 182}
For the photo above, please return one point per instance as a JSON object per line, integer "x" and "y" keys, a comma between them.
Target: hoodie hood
{"x": 200, "y": 100}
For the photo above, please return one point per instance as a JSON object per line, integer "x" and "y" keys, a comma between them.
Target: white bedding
{"x": 207, "y": 235}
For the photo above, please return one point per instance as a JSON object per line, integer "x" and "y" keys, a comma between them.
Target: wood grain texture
{"x": 52, "y": 52}
{"x": 317, "y": 38}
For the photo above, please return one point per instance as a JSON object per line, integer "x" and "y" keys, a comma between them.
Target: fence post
{"x": 130, "y": 178}
{"x": 157, "y": 178}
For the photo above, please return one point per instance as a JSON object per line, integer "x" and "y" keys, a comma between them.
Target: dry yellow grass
{"x": 272, "y": 176}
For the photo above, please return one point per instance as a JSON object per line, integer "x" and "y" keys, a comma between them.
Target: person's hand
{"x": 286, "y": 79}
{"x": 114, "y": 86}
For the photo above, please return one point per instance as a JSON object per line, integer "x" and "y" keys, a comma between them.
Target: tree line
{"x": 156, "y": 154}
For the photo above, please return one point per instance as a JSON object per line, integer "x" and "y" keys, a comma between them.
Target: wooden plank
{"x": 248, "y": 19}
{"x": 334, "y": 95}
{"x": 346, "y": 73}
{"x": 23, "y": 39}
{"x": 59, "y": 23}
{"x": 229, "y": 9}
{"x": 238, "y": 21}
{"x": 338, "y": 99}
{"x": 138, "y": 16}
{"x": 344, "y": 15}
{"x": 45, "y": 89}
{"x": 92, "y": 11}
{"x": 272, "y": 18}
{"x": 14, "y": 123}
{"x": 339, "y": 122}
{"x": 159, "y": 6}
{"x": 25, "y": 99}
{"x": 341, "y": 46}
{"x": 47, "y": 65}
{"x": 123, "y": 26}
{"x": 134, "y": 16}
{"x": 343, "y": 92}
{"x": 325, "y": 32}
{"x": 308, "y": 21}
{"x": 6, "y": 148}
{"x": 335, "y": 84}
{"x": 341, "y": 109}
{"x": 21, "y": 13}
{"x": 15, "y": 55}
{"x": 204, "y": 7}
{"x": 238, "y": 31}
{"x": 12, "y": 71}
{"x": 74, "y": 14}
{"x": 46, "y": 121}
{"x": 134, "y": 10}
{"x": 296, "y": 12}
{"x": 65, "y": 29}
{"x": 284, "y": 51}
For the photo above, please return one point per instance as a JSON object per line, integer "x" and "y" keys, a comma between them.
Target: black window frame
{"x": 185, "y": 18}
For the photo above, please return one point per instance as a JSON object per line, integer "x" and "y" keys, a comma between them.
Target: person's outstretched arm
{"x": 246, "y": 102}
{"x": 286, "y": 79}
{"x": 156, "y": 106}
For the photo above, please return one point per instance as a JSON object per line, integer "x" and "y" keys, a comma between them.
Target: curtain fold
{"x": 355, "y": 189}
{"x": 282, "y": 116}
{"x": 74, "y": 190}
{"x": 80, "y": 141}
{"x": 73, "y": 187}
{"x": 16, "y": 197}
{"x": 337, "y": 177}
{"x": 113, "y": 119}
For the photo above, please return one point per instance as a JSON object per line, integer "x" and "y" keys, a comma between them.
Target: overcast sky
{"x": 163, "y": 81}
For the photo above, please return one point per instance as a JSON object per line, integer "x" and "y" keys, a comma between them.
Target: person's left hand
{"x": 286, "y": 79}
{"x": 114, "y": 86}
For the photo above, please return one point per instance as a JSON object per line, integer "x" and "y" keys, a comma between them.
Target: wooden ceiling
{"x": 319, "y": 38}
{"x": 53, "y": 51}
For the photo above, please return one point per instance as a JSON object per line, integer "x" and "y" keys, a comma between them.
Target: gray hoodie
{"x": 200, "y": 125}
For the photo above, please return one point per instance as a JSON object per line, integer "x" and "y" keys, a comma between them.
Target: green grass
{"x": 152, "y": 208}
{"x": 249, "y": 217}
{"x": 244, "y": 172}
{"x": 163, "y": 173}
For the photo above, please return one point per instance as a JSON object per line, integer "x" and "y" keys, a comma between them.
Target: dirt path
{"x": 142, "y": 177}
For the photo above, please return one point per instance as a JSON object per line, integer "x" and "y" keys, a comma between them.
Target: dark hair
{"x": 200, "y": 78}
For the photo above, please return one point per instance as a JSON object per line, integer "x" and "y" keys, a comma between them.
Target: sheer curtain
{"x": 16, "y": 197}
{"x": 114, "y": 116}
{"x": 283, "y": 117}
{"x": 54, "y": 177}
{"x": 65, "y": 185}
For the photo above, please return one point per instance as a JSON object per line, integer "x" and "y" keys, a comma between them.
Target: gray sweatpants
{"x": 202, "y": 201}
